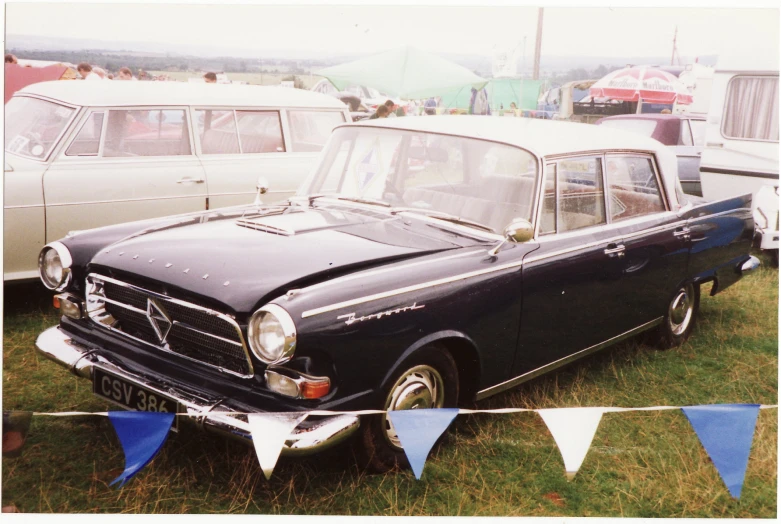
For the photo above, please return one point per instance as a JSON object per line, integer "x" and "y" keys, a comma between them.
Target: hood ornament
{"x": 159, "y": 319}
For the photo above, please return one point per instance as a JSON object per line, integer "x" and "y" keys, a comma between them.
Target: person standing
{"x": 125, "y": 74}
{"x": 210, "y": 78}
{"x": 382, "y": 112}
{"x": 10, "y": 59}
{"x": 85, "y": 70}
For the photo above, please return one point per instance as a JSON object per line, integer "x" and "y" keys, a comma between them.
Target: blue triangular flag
{"x": 142, "y": 435}
{"x": 726, "y": 432}
{"x": 418, "y": 431}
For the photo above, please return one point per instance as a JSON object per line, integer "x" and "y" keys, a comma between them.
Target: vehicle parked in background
{"x": 684, "y": 134}
{"x": 370, "y": 98}
{"x": 741, "y": 142}
{"x": 85, "y": 154}
{"x": 557, "y": 103}
{"x": 426, "y": 262}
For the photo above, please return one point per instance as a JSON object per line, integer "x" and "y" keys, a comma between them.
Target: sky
{"x": 594, "y": 31}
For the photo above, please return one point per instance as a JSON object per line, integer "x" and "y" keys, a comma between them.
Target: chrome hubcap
{"x": 420, "y": 387}
{"x": 681, "y": 310}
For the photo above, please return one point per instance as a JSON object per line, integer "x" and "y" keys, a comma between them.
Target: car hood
{"x": 241, "y": 262}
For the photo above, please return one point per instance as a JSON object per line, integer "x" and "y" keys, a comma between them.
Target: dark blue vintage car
{"x": 426, "y": 262}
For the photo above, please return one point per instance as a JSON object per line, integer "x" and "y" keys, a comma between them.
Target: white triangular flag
{"x": 573, "y": 430}
{"x": 269, "y": 433}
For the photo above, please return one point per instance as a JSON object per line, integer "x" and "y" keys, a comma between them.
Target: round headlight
{"x": 272, "y": 334}
{"x": 54, "y": 264}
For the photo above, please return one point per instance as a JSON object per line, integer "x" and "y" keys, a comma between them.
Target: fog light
{"x": 296, "y": 385}
{"x": 282, "y": 384}
{"x": 70, "y": 305}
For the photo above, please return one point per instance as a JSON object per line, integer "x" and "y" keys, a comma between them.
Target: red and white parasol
{"x": 647, "y": 83}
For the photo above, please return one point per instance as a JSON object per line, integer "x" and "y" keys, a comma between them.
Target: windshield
{"x": 32, "y": 126}
{"x": 472, "y": 179}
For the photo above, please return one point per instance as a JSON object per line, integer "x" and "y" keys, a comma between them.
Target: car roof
{"x": 147, "y": 93}
{"x": 543, "y": 137}
{"x": 653, "y": 116}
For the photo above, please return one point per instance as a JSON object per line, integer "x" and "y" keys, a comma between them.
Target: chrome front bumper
{"x": 749, "y": 265}
{"x": 210, "y": 415}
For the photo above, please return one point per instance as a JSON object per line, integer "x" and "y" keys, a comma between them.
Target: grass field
{"x": 641, "y": 464}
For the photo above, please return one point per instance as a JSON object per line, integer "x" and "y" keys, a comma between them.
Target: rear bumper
{"x": 748, "y": 266}
{"x": 210, "y": 415}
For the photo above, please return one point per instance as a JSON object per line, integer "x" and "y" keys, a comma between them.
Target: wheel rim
{"x": 420, "y": 387}
{"x": 681, "y": 310}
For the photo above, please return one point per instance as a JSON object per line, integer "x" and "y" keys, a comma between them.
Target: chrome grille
{"x": 168, "y": 324}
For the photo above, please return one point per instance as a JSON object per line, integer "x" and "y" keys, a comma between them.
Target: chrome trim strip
{"x": 408, "y": 289}
{"x": 164, "y": 298}
{"x": 156, "y": 198}
{"x": 26, "y": 206}
{"x": 379, "y": 271}
{"x": 493, "y": 390}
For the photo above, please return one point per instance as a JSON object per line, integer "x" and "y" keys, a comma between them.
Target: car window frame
{"x": 283, "y": 129}
{"x": 610, "y": 224}
{"x": 288, "y": 129}
{"x": 723, "y": 120}
{"x": 106, "y": 109}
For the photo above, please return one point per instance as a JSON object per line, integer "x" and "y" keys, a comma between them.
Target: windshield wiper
{"x": 441, "y": 215}
{"x": 370, "y": 201}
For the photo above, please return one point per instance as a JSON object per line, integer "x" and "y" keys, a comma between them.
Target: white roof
{"x": 123, "y": 93}
{"x": 542, "y": 137}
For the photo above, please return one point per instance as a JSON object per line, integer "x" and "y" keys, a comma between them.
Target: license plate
{"x": 130, "y": 395}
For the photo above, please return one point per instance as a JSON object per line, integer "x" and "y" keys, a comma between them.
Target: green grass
{"x": 641, "y": 464}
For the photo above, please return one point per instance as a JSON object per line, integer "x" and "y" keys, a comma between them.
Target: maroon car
{"x": 684, "y": 133}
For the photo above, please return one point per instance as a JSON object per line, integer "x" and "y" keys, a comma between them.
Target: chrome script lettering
{"x": 351, "y": 318}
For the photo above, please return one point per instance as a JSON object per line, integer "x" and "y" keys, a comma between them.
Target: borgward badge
{"x": 159, "y": 319}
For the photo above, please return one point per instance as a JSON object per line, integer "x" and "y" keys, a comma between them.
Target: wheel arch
{"x": 464, "y": 353}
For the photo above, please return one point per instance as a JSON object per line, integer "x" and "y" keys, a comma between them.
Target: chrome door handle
{"x": 684, "y": 233}
{"x": 616, "y": 251}
{"x": 188, "y": 180}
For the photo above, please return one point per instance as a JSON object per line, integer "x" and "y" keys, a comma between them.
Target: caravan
{"x": 741, "y": 149}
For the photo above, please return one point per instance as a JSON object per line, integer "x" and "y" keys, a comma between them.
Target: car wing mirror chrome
{"x": 519, "y": 230}
{"x": 262, "y": 188}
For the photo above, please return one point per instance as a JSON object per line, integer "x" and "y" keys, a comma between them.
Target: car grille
{"x": 168, "y": 324}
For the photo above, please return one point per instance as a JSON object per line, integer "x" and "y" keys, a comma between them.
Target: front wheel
{"x": 428, "y": 379}
{"x": 680, "y": 317}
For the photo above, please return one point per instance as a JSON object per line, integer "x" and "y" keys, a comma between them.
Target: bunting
{"x": 418, "y": 431}
{"x": 142, "y": 435}
{"x": 573, "y": 429}
{"x": 269, "y": 433}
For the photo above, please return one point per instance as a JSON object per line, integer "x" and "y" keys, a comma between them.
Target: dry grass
{"x": 641, "y": 464}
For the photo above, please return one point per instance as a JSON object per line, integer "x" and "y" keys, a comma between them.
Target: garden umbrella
{"x": 647, "y": 83}
{"x": 407, "y": 73}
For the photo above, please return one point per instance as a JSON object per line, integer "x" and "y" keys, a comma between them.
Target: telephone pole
{"x": 675, "y": 47}
{"x": 538, "y": 45}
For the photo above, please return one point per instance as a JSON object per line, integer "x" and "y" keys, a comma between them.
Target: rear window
{"x": 142, "y": 132}
{"x": 642, "y": 127}
{"x": 751, "y": 108}
{"x": 309, "y": 130}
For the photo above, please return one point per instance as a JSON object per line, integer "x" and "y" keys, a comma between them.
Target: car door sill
{"x": 493, "y": 390}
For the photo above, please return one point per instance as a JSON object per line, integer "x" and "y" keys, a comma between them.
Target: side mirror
{"x": 262, "y": 188}
{"x": 519, "y": 230}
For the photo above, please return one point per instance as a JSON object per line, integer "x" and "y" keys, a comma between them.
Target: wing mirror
{"x": 519, "y": 230}
{"x": 262, "y": 188}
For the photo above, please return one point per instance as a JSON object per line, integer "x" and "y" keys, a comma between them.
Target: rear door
{"x": 656, "y": 241}
{"x": 123, "y": 164}
{"x": 237, "y": 146}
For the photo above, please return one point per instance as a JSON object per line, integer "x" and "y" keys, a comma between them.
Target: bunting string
{"x": 726, "y": 432}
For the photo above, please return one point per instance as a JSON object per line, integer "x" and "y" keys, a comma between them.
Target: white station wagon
{"x": 80, "y": 155}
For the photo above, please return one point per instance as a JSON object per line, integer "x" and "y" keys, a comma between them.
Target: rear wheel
{"x": 428, "y": 379}
{"x": 680, "y": 317}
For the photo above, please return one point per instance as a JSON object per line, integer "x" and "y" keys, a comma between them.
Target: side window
{"x": 146, "y": 132}
{"x": 260, "y": 132}
{"x": 87, "y": 142}
{"x": 751, "y": 108}
{"x": 634, "y": 190}
{"x": 581, "y": 194}
{"x": 698, "y": 132}
{"x": 217, "y": 132}
{"x": 686, "y": 134}
{"x": 548, "y": 217}
{"x": 309, "y": 130}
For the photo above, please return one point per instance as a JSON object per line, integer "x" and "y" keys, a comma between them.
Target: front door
{"x": 569, "y": 297}
{"x": 123, "y": 165}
